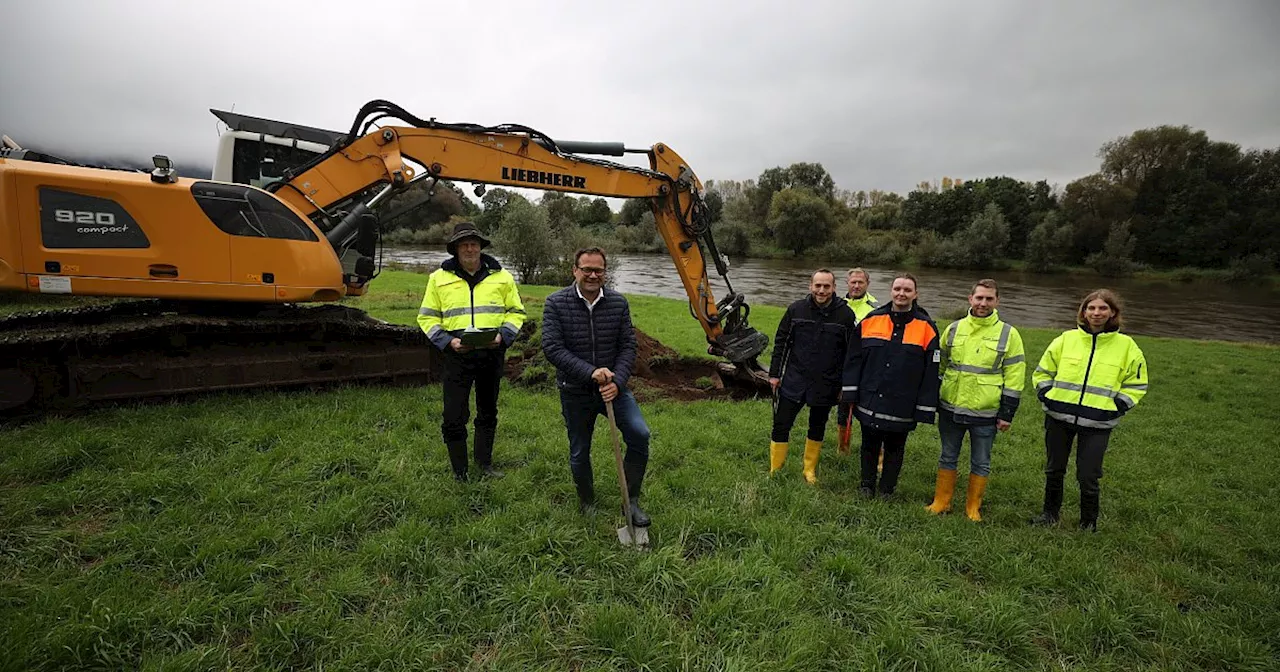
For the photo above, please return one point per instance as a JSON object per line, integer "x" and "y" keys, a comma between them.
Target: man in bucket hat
{"x": 472, "y": 312}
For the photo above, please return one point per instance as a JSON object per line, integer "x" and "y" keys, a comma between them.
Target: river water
{"x": 1200, "y": 310}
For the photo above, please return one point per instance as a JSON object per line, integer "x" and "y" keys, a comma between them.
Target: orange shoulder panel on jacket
{"x": 877, "y": 326}
{"x": 919, "y": 332}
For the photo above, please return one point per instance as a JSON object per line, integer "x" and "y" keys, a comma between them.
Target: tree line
{"x": 1163, "y": 198}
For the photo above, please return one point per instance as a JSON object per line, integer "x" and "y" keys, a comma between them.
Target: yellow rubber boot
{"x": 811, "y": 451}
{"x": 973, "y": 499}
{"x": 777, "y": 455}
{"x": 942, "y": 492}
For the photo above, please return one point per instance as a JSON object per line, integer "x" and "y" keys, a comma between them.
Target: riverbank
{"x": 1179, "y": 275}
{"x": 292, "y": 530}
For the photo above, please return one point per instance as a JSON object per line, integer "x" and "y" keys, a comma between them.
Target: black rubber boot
{"x": 458, "y": 459}
{"x": 1045, "y": 519}
{"x": 586, "y": 495}
{"x": 1089, "y": 496}
{"x": 484, "y": 452}
{"x": 635, "y": 479}
{"x": 1052, "y": 503}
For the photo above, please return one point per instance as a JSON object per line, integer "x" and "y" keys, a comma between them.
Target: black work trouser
{"x": 894, "y": 445}
{"x": 1091, "y": 446}
{"x": 483, "y": 369}
{"x": 785, "y": 417}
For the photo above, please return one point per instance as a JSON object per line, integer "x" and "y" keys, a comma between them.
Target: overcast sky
{"x": 883, "y": 94}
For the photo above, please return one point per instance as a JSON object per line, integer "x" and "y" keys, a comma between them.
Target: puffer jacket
{"x": 577, "y": 341}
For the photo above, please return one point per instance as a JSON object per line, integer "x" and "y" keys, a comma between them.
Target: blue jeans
{"x": 580, "y": 408}
{"x": 981, "y": 438}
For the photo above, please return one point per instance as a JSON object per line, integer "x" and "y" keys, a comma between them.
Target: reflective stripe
{"x": 516, "y": 311}
{"x": 456, "y": 312}
{"x": 1083, "y": 422}
{"x": 882, "y": 416}
{"x": 1015, "y": 360}
{"x": 1120, "y": 396}
{"x": 969, "y": 411}
{"x": 1004, "y": 337}
{"x": 1010, "y": 392}
{"x": 927, "y": 409}
{"x": 969, "y": 368}
{"x": 430, "y": 312}
{"x": 1089, "y": 389}
{"x": 951, "y": 334}
{"x": 1043, "y": 384}
{"x": 1100, "y": 391}
{"x": 511, "y": 326}
{"x": 1041, "y": 369}
{"x": 435, "y": 329}
{"x": 1134, "y": 387}
{"x": 849, "y": 388}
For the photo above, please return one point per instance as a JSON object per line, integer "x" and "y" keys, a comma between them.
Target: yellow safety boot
{"x": 973, "y": 498}
{"x": 942, "y": 492}
{"x": 811, "y": 451}
{"x": 777, "y": 455}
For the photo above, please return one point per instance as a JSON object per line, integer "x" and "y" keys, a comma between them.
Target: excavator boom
{"x": 521, "y": 157}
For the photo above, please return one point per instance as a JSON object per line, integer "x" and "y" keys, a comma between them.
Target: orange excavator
{"x": 226, "y": 285}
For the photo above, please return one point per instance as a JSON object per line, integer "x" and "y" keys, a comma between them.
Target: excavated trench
{"x": 660, "y": 372}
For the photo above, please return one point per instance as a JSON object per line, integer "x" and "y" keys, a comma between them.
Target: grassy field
{"x": 322, "y": 530}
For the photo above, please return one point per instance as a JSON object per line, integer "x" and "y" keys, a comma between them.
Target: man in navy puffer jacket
{"x": 587, "y": 335}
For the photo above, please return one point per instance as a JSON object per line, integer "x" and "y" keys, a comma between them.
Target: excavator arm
{"x": 378, "y": 163}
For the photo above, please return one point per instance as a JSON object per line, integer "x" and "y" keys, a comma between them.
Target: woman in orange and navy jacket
{"x": 891, "y": 377}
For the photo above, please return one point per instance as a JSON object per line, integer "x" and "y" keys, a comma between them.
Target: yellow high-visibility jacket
{"x": 984, "y": 370}
{"x": 451, "y": 305}
{"x": 1091, "y": 380}
{"x": 863, "y": 305}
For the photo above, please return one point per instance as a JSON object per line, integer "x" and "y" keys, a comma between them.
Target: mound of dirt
{"x": 660, "y": 371}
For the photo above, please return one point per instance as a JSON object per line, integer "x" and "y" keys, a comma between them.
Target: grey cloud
{"x": 883, "y": 95}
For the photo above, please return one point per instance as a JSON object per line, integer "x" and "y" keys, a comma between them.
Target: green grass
{"x": 321, "y": 529}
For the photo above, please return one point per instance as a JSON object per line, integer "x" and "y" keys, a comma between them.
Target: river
{"x": 1201, "y": 310}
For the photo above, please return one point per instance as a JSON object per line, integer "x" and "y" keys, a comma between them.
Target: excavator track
{"x": 64, "y": 360}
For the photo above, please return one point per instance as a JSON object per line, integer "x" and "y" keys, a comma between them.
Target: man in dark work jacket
{"x": 587, "y": 335}
{"x": 808, "y": 357}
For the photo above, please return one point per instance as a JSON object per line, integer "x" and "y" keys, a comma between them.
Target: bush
{"x": 732, "y": 237}
{"x": 436, "y": 234}
{"x": 799, "y": 218}
{"x": 525, "y": 242}
{"x": 1116, "y": 258}
{"x": 1049, "y": 244}
{"x": 641, "y": 237}
{"x": 882, "y": 249}
{"x": 1252, "y": 267}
